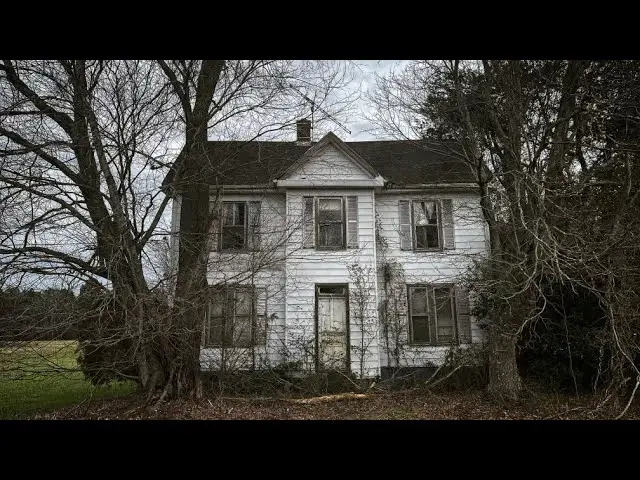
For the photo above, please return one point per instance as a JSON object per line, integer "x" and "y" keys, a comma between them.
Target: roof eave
{"x": 377, "y": 182}
{"x": 461, "y": 186}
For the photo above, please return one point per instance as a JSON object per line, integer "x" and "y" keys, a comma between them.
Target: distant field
{"x": 40, "y": 376}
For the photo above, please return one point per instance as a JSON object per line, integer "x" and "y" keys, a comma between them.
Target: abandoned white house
{"x": 340, "y": 255}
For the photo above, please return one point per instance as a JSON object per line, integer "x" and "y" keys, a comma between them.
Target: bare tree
{"x": 540, "y": 136}
{"x": 85, "y": 145}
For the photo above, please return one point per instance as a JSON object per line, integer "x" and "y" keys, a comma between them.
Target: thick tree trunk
{"x": 504, "y": 379}
{"x": 191, "y": 294}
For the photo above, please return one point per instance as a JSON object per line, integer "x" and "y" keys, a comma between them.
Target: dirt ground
{"x": 408, "y": 405}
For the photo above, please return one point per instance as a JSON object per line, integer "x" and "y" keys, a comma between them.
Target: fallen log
{"x": 329, "y": 398}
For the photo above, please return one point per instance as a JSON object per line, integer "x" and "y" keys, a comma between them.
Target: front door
{"x": 331, "y": 327}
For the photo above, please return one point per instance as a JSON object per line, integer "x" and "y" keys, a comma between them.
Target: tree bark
{"x": 191, "y": 296}
{"x": 504, "y": 379}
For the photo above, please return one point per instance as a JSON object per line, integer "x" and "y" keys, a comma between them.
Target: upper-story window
{"x": 426, "y": 224}
{"x": 238, "y": 227}
{"x": 330, "y": 223}
{"x": 234, "y": 225}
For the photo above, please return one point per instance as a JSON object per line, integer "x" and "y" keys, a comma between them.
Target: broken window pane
{"x": 233, "y": 225}
{"x": 330, "y": 235}
{"x": 243, "y": 302}
{"x": 231, "y": 317}
{"x": 220, "y": 331}
{"x": 432, "y": 316}
{"x": 216, "y": 318}
{"x": 242, "y": 331}
{"x": 331, "y": 290}
{"x": 425, "y": 219}
{"x": 329, "y": 210}
{"x": 419, "y": 304}
{"x": 330, "y": 222}
{"x": 420, "y": 329}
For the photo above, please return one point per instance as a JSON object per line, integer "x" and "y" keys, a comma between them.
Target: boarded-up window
{"x": 432, "y": 315}
{"x": 237, "y": 317}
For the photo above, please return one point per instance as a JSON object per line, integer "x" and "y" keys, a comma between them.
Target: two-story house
{"x": 338, "y": 255}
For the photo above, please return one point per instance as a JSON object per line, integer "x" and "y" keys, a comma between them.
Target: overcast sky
{"x": 365, "y": 81}
{"x": 356, "y": 122}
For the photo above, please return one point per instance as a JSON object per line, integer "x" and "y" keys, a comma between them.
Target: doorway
{"x": 332, "y": 327}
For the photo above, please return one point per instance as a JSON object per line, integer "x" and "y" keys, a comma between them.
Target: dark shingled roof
{"x": 401, "y": 162}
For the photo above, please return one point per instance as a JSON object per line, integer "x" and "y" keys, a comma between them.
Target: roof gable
{"x": 320, "y": 155}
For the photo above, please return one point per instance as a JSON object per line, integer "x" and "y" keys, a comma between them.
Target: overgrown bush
{"x": 462, "y": 369}
{"x": 102, "y": 360}
{"x": 565, "y": 349}
{"x": 286, "y": 379}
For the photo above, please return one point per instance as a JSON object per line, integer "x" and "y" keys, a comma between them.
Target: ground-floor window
{"x": 432, "y": 314}
{"x": 234, "y": 318}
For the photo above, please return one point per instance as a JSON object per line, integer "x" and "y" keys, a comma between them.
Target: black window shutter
{"x": 217, "y": 222}
{"x": 463, "y": 315}
{"x": 253, "y": 236}
{"x": 448, "y": 232}
{"x": 308, "y": 223}
{"x": 404, "y": 215}
{"x": 352, "y": 222}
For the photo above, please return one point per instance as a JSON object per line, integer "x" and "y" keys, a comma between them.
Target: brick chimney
{"x": 303, "y": 130}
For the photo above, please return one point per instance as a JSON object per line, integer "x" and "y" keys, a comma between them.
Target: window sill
{"x": 415, "y": 344}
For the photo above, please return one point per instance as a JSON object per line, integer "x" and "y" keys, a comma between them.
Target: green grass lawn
{"x": 41, "y": 376}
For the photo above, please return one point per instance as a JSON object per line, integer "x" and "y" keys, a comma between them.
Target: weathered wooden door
{"x": 332, "y": 321}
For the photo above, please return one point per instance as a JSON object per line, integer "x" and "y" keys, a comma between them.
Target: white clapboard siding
{"x": 263, "y": 269}
{"x": 329, "y": 164}
{"x": 430, "y": 267}
{"x": 290, "y": 272}
{"x": 306, "y": 267}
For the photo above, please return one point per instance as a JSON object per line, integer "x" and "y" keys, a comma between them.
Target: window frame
{"x": 433, "y": 315}
{"x": 246, "y": 226}
{"x": 343, "y": 222}
{"x": 225, "y": 291}
{"x": 414, "y": 239}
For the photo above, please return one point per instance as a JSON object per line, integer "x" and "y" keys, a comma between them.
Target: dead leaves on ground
{"x": 390, "y": 406}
